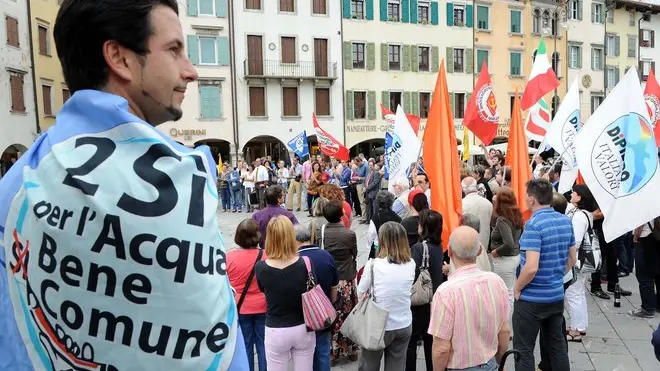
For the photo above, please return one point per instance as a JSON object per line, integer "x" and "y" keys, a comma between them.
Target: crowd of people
{"x": 501, "y": 279}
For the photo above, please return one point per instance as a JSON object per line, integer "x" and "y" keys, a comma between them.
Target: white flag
{"x": 561, "y": 136}
{"x": 402, "y": 149}
{"x": 618, "y": 159}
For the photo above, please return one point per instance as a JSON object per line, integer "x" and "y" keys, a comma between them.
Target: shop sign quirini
{"x": 174, "y": 132}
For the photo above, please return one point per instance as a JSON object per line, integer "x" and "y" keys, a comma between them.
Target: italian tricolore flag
{"x": 538, "y": 121}
{"x": 542, "y": 80}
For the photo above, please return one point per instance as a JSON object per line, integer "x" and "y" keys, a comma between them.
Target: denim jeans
{"x": 489, "y": 366}
{"x": 225, "y": 194}
{"x": 531, "y": 318}
{"x": 237, "y": 199}
{"x": 647, "y": 271}
{"x": 322, "y": 351}
{"x": 253, "y": 327}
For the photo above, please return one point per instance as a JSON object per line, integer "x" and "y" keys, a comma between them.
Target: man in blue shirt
{"x": 547, "y": 252}
{"x": 327, "y": 276}
{"x": 110, "y": 256}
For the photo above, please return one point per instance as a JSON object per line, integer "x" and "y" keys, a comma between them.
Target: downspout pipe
{"x": 34, "y": 70}
{"x": 343, "y": 82}
{"x": 232, "y": 67}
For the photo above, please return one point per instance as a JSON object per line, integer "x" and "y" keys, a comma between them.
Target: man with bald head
{"x": 470, "y": 313}
{"x": 478, "y": 206}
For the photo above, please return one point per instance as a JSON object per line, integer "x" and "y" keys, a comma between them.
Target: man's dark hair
{"x": 541, "y": 190}
{"x": 333, "y": 211}
{"x": 426, "y": 177}
{"x": 273, "y": 194}
{"x": 83, "y": 26}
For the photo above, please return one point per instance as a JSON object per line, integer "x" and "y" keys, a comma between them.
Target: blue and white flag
{"x": 561, "y": 136}
{"x": 401, "y": 147}
{"x": 110, "y": 255}
{"x": 618, "y": 159}
{"x": 299, "y": 145}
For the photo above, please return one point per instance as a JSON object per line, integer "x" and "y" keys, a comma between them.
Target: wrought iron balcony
{"x": 297, "y": 70}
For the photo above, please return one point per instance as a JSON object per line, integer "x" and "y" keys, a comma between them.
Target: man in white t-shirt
{"x": 261, "y": 181}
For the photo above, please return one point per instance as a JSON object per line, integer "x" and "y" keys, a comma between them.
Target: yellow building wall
{"x": 500, "y": 43}
{"x": 47, "y": 68}
{"x": 618, "y": 24}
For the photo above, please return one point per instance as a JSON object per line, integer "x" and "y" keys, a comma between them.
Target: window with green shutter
{"x": 435, "y": 59}
{"x": 483, "y": 17}
{"x": 469, "y": 61}
{"x": 371, "y": 105}
{"x": 348, "y": 56}
{"x": 206, "y": 7}
{"x": 414, "y": 102}
{"x": 516, "y": 26}
{"x": 449, "y": 58}
{"x": 515, "y": 63}
{"x": 208, "y": 53}
{"x": 371, "y": 56}
{"x": 405, "y": 11}
{"x": 450, "y": 14}
{"x": 192, "y": 8}
{"x": 221, "y": 8}
{"x": 193, "y": 49}
{"x": 384, "y": 58}
{"x": 406, "y": 58}
{"x": 407, "y": 104}
{"x": 385, "y": 99}
{"x": 469, "y": 15}
{"x": 223, "y": 50}
{"x": 349, "y": 105}
{"x": 210, "y": 100}
{"x": 482, "y": 55}
{"x": 435, "y": 13}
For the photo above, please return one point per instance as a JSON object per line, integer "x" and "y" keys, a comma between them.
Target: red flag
{"x": 441, "y": 154}
{"x": 412, "y": 119}
{"x": 330, "y": 146}
{"x": 652, "y": 98}
{"x": 481, "y": 115}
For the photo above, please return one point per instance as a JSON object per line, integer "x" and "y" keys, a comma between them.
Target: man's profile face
{"x": 422, "y": 184}
{"x": 159, "y": 86}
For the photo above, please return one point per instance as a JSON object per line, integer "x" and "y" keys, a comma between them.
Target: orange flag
{"x": 517, "y": 158}
{"x": 440, "y": 153}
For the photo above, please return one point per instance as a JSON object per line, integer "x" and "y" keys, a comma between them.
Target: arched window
{"x": 555, "y": 105}
{"x": 536, "y": 22}
{"x": 555, "y": 63}
{"x": 555, "y": 24}
{"x": 546, "y": 20}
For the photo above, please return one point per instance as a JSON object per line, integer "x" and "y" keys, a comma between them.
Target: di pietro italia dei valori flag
{"x": 542, "y": 79}
{"x": 652, "y": 97}
{"x": 402, "y": 147}
{"x": 618, "y": 159}
{"x": 441, "y": 154}
{"x": 330, "y": 146}
{"x": 562, "y": 133}
{"x": 481, "y": 115}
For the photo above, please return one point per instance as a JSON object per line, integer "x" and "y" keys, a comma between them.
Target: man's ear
{"x": 119, "y": 59}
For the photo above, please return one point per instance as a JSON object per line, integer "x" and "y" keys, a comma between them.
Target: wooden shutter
{"x": 383, "y": 10}
{"x": 221, "y": 8}
{"x": 192, "y": 8}
{"x": 435, "y": 13}
{"x": 321, "y": 57}
{"x": 385, "y": 99}
{"x": 322, "y": 101}
{"x": 290, "y": 101}
{"x": 348, "y": 55}
{"x": 384, "y": 57}
{"x": 371, "y": 56}
{"x": 415, "y": 103}
{"x": 257, "y": 101}
{"x": 406, "y": 102}
{"x": 319, "y": 6}
{"x": 288, "y": 49}
{"x": 449, "y": 57}
{"x": 349, "y": 105}
{"x": 371, "y": 105}
{"x": 406, "y": 58}
{"x": 255, "y": 55}
{"x": 66, "y": 94}
{"x": 193, "y": 49}
{"x": 43, "y": 40}
{"x": 253, "y": 4}
{"x": 405, "y": 11}
{"x": 287, "y": 6}
{"x": 450, "y": 14}
{"x": 469, "y": 15}
{"x": 48, "y": 99}
{"x": 617, "y": 45}
{"x": 17, "y": 98}
{"x": 12, "y": 31}
{"x": 652, "y": 32}
{"x": 223, "y": 50}
{"x": 435, "y": 59}
{"x": 469, "y": 61}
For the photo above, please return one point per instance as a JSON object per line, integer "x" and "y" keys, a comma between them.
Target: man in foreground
{"x": 110, "y": 256}
{"x": 470, "y": 313}
{"x": 547, "y": 253}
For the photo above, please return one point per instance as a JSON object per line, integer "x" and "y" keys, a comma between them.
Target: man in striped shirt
{"x": 547, "y": 252}
{"x": 470, "y": 314}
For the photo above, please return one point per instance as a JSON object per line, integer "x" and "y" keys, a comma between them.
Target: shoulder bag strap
{"x": 373, "y": 294}
{"x": 425, "y": 256}
{"x": 323, "y": 236}
{"x": 249, "y": 280}
{"x": 590, "y": 232}
{"x": 310, "y": 277}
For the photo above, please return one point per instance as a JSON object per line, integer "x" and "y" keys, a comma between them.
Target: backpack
{"x": 654, "y": 225}
{"x": 422, "y": 289}
{"x": 588, "y": 254}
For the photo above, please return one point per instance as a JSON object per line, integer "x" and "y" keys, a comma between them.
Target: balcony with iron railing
{"x": 311, "y": 70}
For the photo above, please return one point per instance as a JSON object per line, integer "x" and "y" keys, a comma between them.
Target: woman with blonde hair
{"x": 283, "y": 279}
{"x": 393, "y": 274}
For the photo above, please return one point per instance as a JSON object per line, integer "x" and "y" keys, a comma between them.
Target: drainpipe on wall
{"x": 343, "y": 94}
{"x": 475, "y": 63}
{"x": 232, "y": 67}
{"x": 639, "y": 42}
{"x": 34, "y": 74}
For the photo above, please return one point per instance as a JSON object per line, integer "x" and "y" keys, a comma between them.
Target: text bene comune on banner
{"x": 169, "y": 254}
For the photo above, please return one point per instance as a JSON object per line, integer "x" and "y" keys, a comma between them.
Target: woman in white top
{"x": 393, "y": 275}
{"x": 580, "y": 209}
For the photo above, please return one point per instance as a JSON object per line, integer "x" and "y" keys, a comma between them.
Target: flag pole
{"x": 559, "y": 158}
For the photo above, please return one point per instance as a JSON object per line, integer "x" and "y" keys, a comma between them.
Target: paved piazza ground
{"x": 615, "y": 340}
